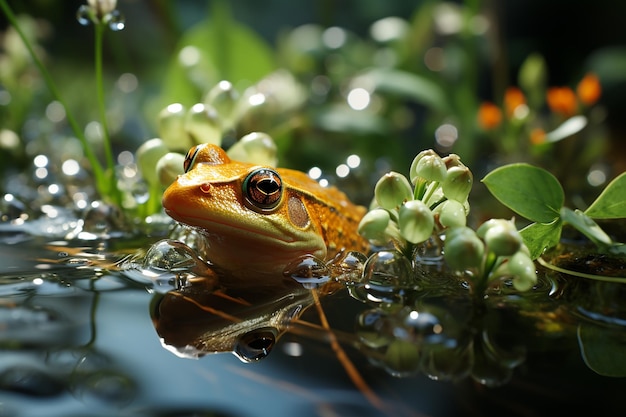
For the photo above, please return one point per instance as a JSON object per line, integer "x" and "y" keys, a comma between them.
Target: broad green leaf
{"x": 529, "y": 191}
{"x": 540, "y": 236}
{"x": 586, "y": 226}
{"x": 218, "y": 48}
{"x": 602, "y": 349}
{"x": 568, "y": 128}
{"x": 405, "y": 84}
{"x": 611, "y": 203}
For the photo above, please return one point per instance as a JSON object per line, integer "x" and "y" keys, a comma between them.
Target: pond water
{"x": 87, "y": 331}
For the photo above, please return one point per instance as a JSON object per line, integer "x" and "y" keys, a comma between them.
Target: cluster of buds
{"x": 494, "y": 251}
{"x": 161, "y": 159}
{"x": 407, "y": 211}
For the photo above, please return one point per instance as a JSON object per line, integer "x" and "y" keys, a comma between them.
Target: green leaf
{"x": 602, "y": 349}
{"x": 529, "y": 191}
{"x": 540, "y": 236}
{"x": 218, "y": 48}
{"x": 611, "y": 203}
{"x": 405, "y": 84}
{"x": 586, "y": 226}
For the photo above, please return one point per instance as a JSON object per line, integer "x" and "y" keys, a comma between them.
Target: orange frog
{"x": 257, "y": 218}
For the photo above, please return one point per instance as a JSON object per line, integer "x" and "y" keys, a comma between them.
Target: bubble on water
{"x": 422, "y": 326}
{"x": 309, "y": 271}
{"x": 348, "y": 266}
{"x": 386, "y": 274}
{"x": 169, "y": 264}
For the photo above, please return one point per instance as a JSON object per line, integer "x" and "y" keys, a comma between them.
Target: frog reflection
{"x": 201, "y": 319}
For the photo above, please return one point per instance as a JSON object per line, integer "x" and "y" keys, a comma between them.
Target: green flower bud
{"x": 147, "y": 155}
{"x": 171, "y": 127}
{"x": 463, "y": 249}
{"x": 431, "y": 168}
{"x": 391, "y": 190}
{"x": 256, "y": 148}
{"x": 458, "y": 184}
{"x": 452, "y": 160}
{"x": 203, "y": 124}
{"x": 522, "y": 268}
{"x": 223, "y": 98}
{"x": 169, "y": 167}
{"x": 374, "y": 224}
{"x": 451, "y": 214}
{"x": 500, "y": 236}
{"x": 416, "y": 221}
{"x": 413, "y": 174}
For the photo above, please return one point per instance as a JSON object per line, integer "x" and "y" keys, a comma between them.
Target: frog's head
{"x": 254, "y": 218}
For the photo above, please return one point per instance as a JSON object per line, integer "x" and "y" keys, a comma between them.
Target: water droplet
{"x": 115, "y": 20}
{"x": 309, "y": 271}
{"x": 84, "y": 15}
{"x": 419, "y": 326}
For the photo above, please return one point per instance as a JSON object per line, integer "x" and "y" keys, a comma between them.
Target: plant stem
{"x": 96, "y": 167}
{"x": 99, "y": 29}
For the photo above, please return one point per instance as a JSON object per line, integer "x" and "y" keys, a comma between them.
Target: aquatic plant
{"x": 103, "y": 15}
{"x": 429, "y": 214}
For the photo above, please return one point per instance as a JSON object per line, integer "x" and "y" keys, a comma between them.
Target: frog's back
{"x": 334, "y": 214}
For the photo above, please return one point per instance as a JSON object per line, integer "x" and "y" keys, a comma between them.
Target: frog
{"x": 258, "y": 218}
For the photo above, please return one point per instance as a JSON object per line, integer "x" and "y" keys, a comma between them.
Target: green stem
{"x": 113, "y": 191}
{"x": 99, "y": 28}
{"x": 97, "y": 169}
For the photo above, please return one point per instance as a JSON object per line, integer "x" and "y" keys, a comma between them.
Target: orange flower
{"x": 489, "y": 115}
{"x": 562, "y": 100}
{"x": 513, "y": 98}
{"x": 589, "y": 89}
{"x": 537, "y": 136}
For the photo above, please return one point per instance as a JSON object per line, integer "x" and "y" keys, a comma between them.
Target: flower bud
{"x": 451, "y": 214}
{"x": 523, "y": 270}
{"x": 413, "y": 175}
{"x": 416, "y": 221}
{"x": 463, "y": 249}
{"x": 171, "y": 128}
{"x": 203, "y": 124}
{"x": 458, "y": 184}
{"x": 391, "y": 190}
{"x": 169, "y": 167}
{"x": 256, "y": 148}
{"x": 223, "y": 98}
{"x": 147, "y": 155}
{"x": 431, "y": 168}
{"x": 374, "y": 224}
{"x": 452, "y": 160}
{"x": 500, "y": 236}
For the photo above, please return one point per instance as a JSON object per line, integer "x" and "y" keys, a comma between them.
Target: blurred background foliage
{"x": 383, "y": 80}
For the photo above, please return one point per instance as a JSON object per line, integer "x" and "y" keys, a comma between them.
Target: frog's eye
{"x": 263, "y": 188}
{"x": 190, "y": 158}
